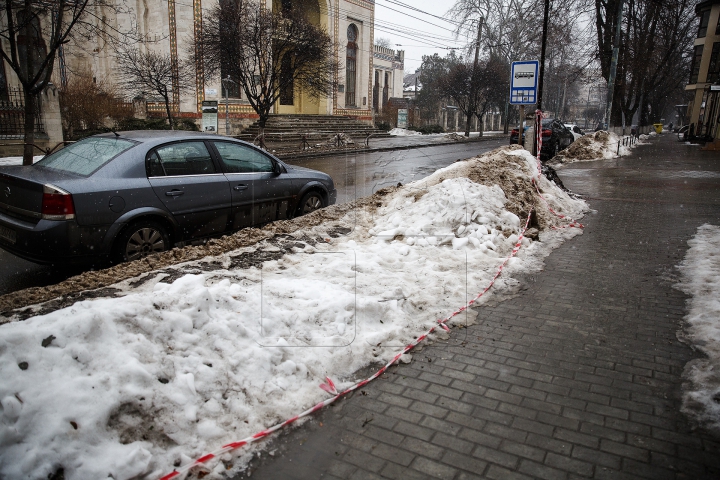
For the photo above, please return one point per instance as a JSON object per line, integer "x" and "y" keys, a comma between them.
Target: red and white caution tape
{"x": 538, "y": 136}
{"x": 329, "y": 386}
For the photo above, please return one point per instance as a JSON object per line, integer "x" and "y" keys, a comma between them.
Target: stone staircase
{"x": 291, "y": 128}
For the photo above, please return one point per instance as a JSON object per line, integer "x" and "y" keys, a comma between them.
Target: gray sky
{"x": 417, "y": 36}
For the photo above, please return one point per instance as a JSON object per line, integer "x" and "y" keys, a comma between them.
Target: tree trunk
{"x": 169, "y": 115}
{"x": 261, "y": 130}
{"x": 29, "y": 137}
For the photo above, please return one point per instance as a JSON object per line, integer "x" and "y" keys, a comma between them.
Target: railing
{"x": 12, "y": 114}
{"x": 627, "y": 142}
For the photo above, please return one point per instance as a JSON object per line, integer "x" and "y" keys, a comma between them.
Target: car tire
{"x": 141, "y": 239}
{"x": 310, "y": 202}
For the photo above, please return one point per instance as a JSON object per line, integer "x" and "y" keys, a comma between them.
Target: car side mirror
{"x": 277, "y": 169}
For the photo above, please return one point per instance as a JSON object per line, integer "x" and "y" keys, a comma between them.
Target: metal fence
{"x": 12, "y": 114}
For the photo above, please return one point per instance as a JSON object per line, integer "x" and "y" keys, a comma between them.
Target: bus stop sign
{"x": 524, "y": 82}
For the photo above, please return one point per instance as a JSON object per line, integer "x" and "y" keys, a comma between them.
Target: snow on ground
{"x": 403, "y": 132}
{"x": 593, "y": 146}
{"x": 701, "y": 279}
{"x": 6, "y": 161}
{"x": 179, "y": 365}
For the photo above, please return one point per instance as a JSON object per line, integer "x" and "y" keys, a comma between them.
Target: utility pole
{"x": 614, "y": 62}
{"x": 538, "y": 123}
{"x": 227, "y": 101}
{"x": 473, "y": 81}
{"x": 225, "y": 83}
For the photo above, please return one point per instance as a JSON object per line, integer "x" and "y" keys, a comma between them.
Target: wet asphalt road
{"x": 355, "y": 176}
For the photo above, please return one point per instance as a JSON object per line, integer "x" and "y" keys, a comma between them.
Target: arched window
{"x": 351, "y": 65}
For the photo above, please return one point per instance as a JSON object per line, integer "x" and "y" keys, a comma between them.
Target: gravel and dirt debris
{"x": 498, "y": 167}
{"x": 589, "y": 147}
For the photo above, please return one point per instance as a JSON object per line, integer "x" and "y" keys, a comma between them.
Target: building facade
{"x": 389, "y": 68}
{"x": 169, "y": 27}
{"x": 704, "y": 108}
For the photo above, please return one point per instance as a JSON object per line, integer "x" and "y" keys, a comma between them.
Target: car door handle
{"x": 242, "y": 186}
{"x": 174, "y": 193}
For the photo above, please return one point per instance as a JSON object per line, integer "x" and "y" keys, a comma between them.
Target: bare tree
{"x": 87, "y": 103}
{"x": 383, "y": 42}
{"x": 152, "y": 73}
{"x": 269, "y": 54}
{"x": 653, "y": 59}
{"x": 492, "y": 80}
{"x": 32, "y": 33}
{"x": 431, "y": 76}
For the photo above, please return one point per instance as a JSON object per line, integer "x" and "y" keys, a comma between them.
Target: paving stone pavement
{"x": 578, "y": 376}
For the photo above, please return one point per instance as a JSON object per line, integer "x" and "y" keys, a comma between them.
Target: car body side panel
{"x": 199, "y": 203}
{"x": 260, "y": 197}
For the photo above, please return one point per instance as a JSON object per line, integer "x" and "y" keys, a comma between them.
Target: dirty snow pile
{"x": 701, "y": 279}
{"x": 403, "y": 132}
{"x": 593, "y": 146}
{"x": 171, "y": 367}
{"x": 6, "y": 161}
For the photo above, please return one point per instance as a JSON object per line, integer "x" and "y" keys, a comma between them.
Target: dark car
{"x": 555, "y": 137}
{"x": 514, "y": 135}
{"x": 123, "y": 196}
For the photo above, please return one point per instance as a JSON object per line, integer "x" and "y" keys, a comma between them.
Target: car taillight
{"x": 514, "y": 131}
{"x": 546, "y": 132}
{"x": 57, "y": 204}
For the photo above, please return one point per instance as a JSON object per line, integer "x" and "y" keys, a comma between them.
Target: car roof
{"x": 145, "y": 135}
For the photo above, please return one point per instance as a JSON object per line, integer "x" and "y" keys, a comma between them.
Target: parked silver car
{"x": 123, "y": 196}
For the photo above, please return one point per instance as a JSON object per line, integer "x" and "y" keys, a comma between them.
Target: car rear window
{"x": 85, "y": 156}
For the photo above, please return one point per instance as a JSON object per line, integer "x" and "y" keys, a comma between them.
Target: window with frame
{"x": 713, "y": 74}
{"x": 182, "y": 158}
{"x": 238, "y": 158}
{"x": 695, "y": 70}
{"x": 351, "y": 66}
{"x": 704, "y": 20}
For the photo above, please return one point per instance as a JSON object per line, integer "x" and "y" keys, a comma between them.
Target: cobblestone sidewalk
{"x": 579, "y": 376}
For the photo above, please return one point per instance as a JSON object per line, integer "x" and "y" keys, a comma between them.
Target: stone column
{"x": 50, "y": 113}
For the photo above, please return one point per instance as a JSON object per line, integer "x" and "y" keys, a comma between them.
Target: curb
{"x": 354, "y": 151}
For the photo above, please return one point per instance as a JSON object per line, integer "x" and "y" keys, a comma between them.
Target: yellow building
{"x": 704, "y": 108}
{"x": 170, "y": 25}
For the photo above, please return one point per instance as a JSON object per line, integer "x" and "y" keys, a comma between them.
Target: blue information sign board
{"x": 524, "y": 82}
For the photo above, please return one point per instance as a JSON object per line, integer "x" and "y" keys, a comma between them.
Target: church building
{"x": 169, "y": 26}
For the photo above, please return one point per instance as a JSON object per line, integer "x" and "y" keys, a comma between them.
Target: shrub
{"x": 384, "y": 126}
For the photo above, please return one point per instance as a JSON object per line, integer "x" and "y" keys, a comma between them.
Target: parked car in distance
{"x": 555, "y": 137}
{"x": 122, "y": 196}
{"x": 576, "y": 131}
{"x": 514, "y": 135}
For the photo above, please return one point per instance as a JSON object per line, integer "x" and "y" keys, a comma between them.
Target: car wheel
{"x": 140, "y": 240}
{"x": 310, "y": 202}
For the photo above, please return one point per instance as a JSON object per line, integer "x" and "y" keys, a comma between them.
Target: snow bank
{"x": 402, "y": 132}
{"x": 180, "y": 361}
{"x": 592, "y": 146}
{"x": 701, "y": 279}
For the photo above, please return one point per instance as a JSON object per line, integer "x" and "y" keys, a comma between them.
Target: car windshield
{"x": 85, "y": 156}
